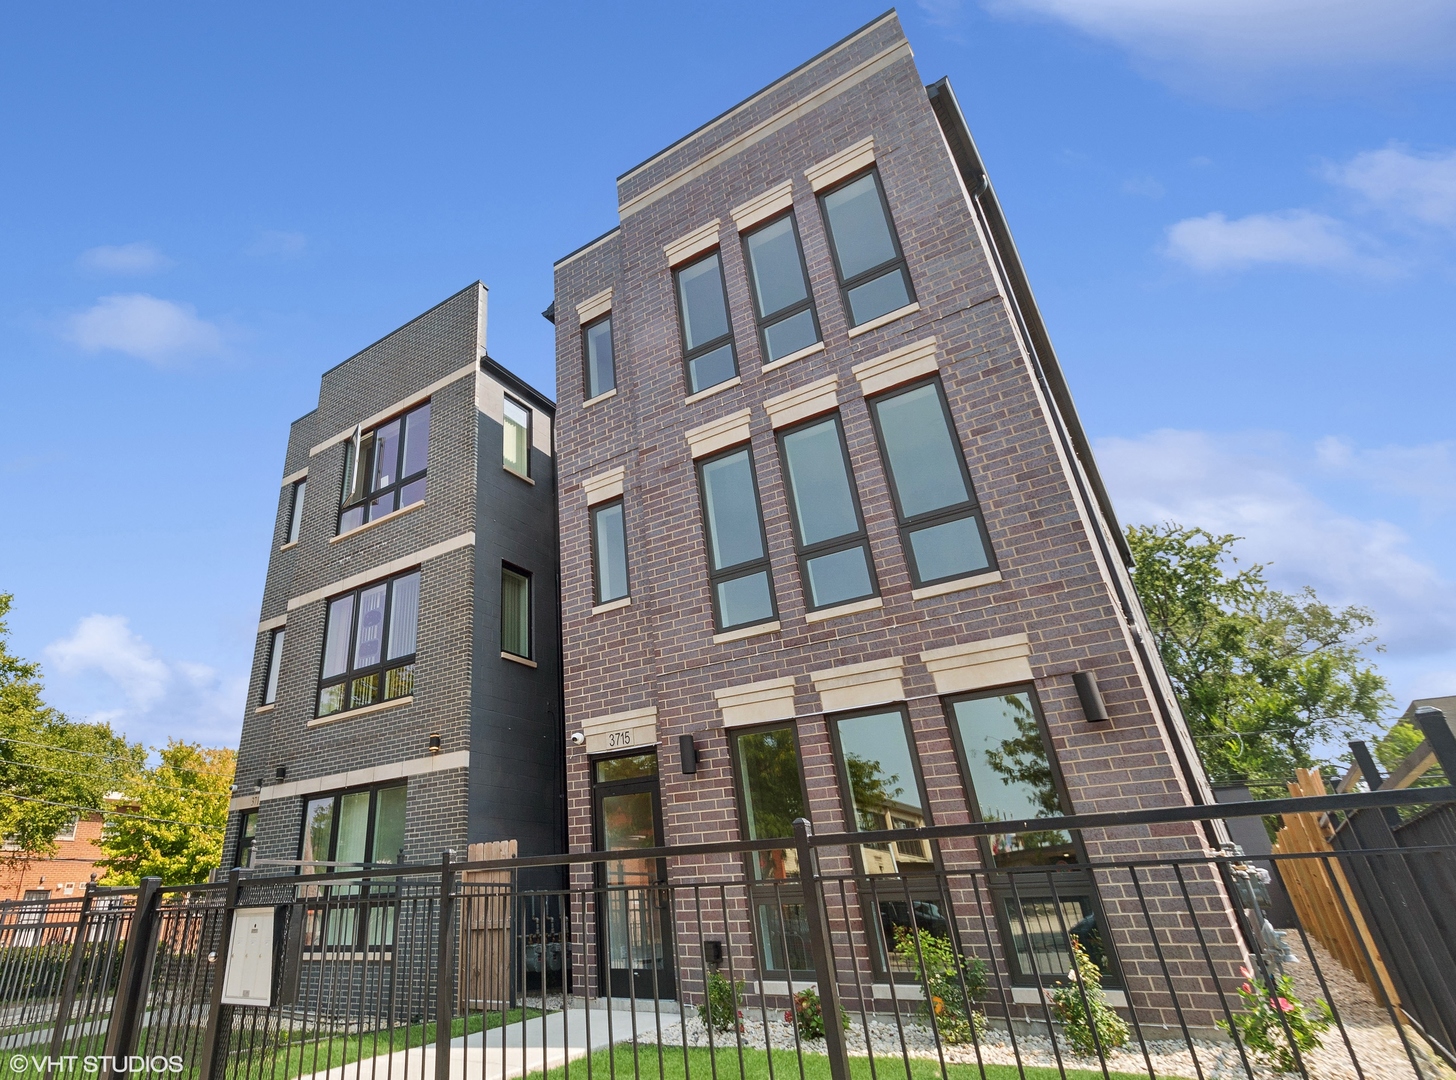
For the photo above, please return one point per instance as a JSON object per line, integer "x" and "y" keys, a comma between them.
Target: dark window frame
{"x": 508, "y": 567}
{"x": 348, "y": 901}
{"x": 359, "y": 453}
{"x": 971, "y": 507}
{"x": 586, "y": 378}
{"x": 337, "y": 795}
{"x": 271, "y": 678}
{"x": 764, "y": 321}
{"x": 846, "y": 795}
{"x": 873, "y": 272}
{"x": 592, "y": 512}
{"x": 295, "y": 511}
{"x": 530, "y": 426}
{"x": 385, "y": 664}
{"x": 803, "y": 552}
{"x": 246, "y": 845}
{"x": 716, "y": 577}
{"x": 689, "y": 355}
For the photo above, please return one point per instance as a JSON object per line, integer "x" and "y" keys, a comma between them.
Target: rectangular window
{"x": 351, "y": 829}
{"x": 834, "y": 553}
{"x": 516, "y": 451}
{"x": 609, "y": 551}
{"x": 867, "y": 255}
{"x": 384, "y": 468}
{"x": 295, "y": 511}
{"x": 940, "y": 524}
{"x": 516, "y": 612}
{"x": 738, "y": 569}
{"x": 601, "y": 364}
{"x": 247, "y": 837}
{"x": 275, "y": 661}
{"x": 707, "y": 334}
{"x": 781, "y": 299}
{"x": 68, "y": 832}
{"x": 369, "y": 645}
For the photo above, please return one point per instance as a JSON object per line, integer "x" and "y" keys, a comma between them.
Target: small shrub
{"x": 809, "y": 1013}
{"x": 952, "y": 984}
{"x": 1081, "y": 1006}
{"x": 1262, "y": 1024}
{"x": 719, "y": 1009}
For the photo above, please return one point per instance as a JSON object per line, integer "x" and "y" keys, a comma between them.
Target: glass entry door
{"x": 634, "y": 916}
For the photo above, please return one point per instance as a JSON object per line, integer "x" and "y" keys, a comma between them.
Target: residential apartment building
{"x": 65, "y": 873}
{"x": 833, "y": 541}
{"x": 405, "y": 691}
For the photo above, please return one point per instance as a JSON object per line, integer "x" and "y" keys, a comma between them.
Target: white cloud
{"x": 118, "y": 677}
{"x": 1424, "y": 473}
{"x": 158, "y": 331}
{"x": 138, "y": 258}
{"x": 1227, "y": 46}
{"x": 1295, "y": 238}
{"x": 1420, "y": 187}
{"x": 279, "y": 245}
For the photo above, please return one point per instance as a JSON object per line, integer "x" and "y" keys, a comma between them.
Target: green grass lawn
{"x": 754, "y": 1066}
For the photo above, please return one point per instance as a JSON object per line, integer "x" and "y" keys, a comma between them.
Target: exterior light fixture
{"x": 688, "y": 754}
{"x": 1088, "y": 693}
{"x": 435, "y": 743}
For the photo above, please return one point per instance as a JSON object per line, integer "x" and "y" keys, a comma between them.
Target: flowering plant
{"x": 952, "y": 983}
{"x": 1081, "y": 1006}
{"x": 719, "y": 1009}
{"x": 1275, "y": 1023}
{"x": 809, "y": 1013}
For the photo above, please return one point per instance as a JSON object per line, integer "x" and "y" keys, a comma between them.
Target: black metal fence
{"x": 912, "y": 953}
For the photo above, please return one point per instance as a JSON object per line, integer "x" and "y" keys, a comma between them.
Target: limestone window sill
{"x": 885, "y": 319}
{"x": 717, "y": 388}
{"x": 975, "y": 581}
{"x": 349, "y": 714}
{"x": 265, "y": 708}
{"x": 589, "y": 402}
{"x": 612, "y": 605}
{"x": 747, "y": 632}
{"x": 870, "y": 603}
{"x": 518, "y": 659}
{"x": 518, "y": 476}
{"x": 291, "y": 544}
{"x": 401, "y": 512}
{"x": 785, "y": 361}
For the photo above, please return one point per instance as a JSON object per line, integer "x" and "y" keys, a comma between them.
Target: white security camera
{"x": 578, "y": 738}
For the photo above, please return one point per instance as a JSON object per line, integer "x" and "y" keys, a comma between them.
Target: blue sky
{"x": 1239, "y": 217}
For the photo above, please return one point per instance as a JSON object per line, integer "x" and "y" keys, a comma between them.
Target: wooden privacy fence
{"x": 485, "y": 977}
{"x": 1321, "y": 893}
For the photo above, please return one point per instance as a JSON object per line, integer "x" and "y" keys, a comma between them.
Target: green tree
{"x": 51, "y": 769}
{"x": 1263, "y": 676}
{"x": 177, "y": 810}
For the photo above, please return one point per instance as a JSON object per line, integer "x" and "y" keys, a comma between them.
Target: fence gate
{"x": 485, "y": 969}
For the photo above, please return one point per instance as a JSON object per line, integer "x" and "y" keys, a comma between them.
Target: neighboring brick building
{"x": 60, "y": 875}
{"x": 405, "y": 693}
{"x": 826, "y": 508}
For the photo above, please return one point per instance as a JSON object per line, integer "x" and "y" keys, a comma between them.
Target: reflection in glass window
{"x": 737, "y": 555}
{"x": 1009, "y": 775}
{"x": 773, "y": 796}
{"x": 781, "y": 298}
{"x": 834, "y": 554}
{"x": 358, "y": 670}
{"x": 706, "y": 333}
{"x": 384, "y": 468}
{"x": 247, "y": 838}
{"x": 871, "y": 268}
{"x": 295, "y": 512}
{"x": 601, "y": 365}
{"x": 631, "y": 767}
{"x": 1040, "y": 928}
{"x": 516, "y": 428}
{"x": 609, "y": 551}
{"x": 275, "y": 663}
{"x": 516, "y": 612}
{"x": 877, "y": 767}
{"x": 346, "y": 831}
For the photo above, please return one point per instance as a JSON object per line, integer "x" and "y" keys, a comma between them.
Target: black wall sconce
{"x": 281, "y": 773}
{"x": 435, "y": 743}
{"x": 1090, "y": 695}
{"x": 687, "y": 751}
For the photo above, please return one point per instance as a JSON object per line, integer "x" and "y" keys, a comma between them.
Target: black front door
{"x": 634, "y": 915}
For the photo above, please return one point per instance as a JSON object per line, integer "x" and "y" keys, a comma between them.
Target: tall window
{"x": 351, "y": 828}
{"x": 601, "y": 365}
{"x": 516, "y": 451}
{"x": 369, "y": 645}
{"x": 275, "y": 661}
{"x": 867, "y": 256}
{"x": 295, "y": 511}
{"x": 738, "y": 569}
{"x": 707, "y": 335}
{"x": 609, "y": 551}
{"x": 781, "y": 298}
{"x": 516, "y": 612}
{"x": 940, "y": 524}
{"x": 247, "y": 838}
{"x": 834, "y": 555}
{"x": 771, "y": 796}
{"x": 384, "y": 469}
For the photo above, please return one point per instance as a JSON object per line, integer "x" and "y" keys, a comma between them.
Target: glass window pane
{"x": 295, "y": 517}
{"x": 923, "y": 457}
{"x": 857, "y": 223}
{"x": 351, "y": 519}
{"x": 370, "y": 639}
{"x": 417, "y": 441}
{"x": 745, "y": 600}
{"x": 515, "y": 613}
{"x": 381, "y": 506}
{"x": 386, "y": 455}
{"x": 318, "y": 834}
{"x": 1042, "y": 929}
{"x": 336, "y": 637}
{"x": 399, "y": 682}
{"x": 626, "y": 768}
{"x": 790, "y": 335}
{"x": 388, "y": 824}
{"x": 775, "y": 269}
{"x": 838, "y": 577}
{"x": 734, "y": 533}
{"x": 364, "y": 691}
{"x": 611, "y": 543}
{"x": 412, "y": 493}
{"x": 331, "y": 699}
{"x": 353, "y": 827}
{"x": 601, "y": 367}
{"x": 275, "y": 661}
{"x": 819, "y": 476}
{"x": 1011, "y": 775}
{"x": 877, "y": 766}
{"x": 711, "y": 368}
{"x": 515, "y": 452}
{"x": 783, "y": 934}
{"x": 700, "y": 294}
{"x": 768, "y": 764}
{"x": 878, "y": 296}
{"x": 404, "y": 615}
{"x": 950, "y": 549}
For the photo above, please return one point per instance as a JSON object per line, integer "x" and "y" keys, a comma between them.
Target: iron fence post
{"x": 130, "y": 1003}
{"x": 822, "y": 947}
{"x": 73, "y": 976}
{"x": 445, "y": 970}
{"x": 214, "y": 1051}
{"x": 1443, "y": 742}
